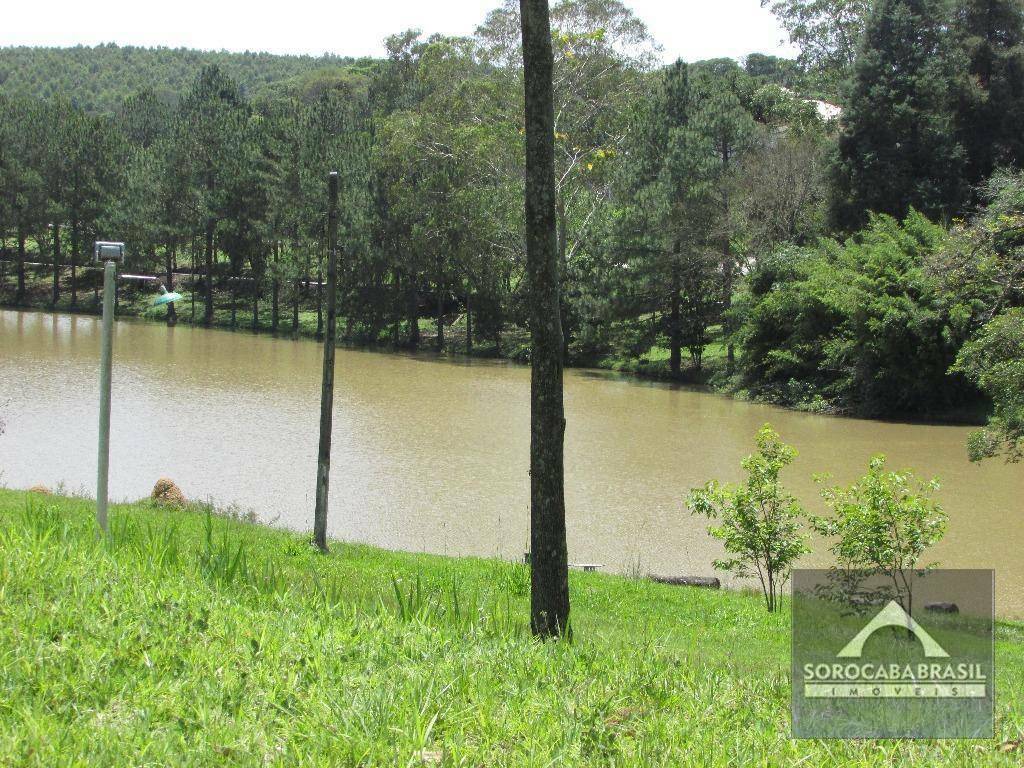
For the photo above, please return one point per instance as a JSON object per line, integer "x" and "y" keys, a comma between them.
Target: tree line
{"x": 711, "y": 220}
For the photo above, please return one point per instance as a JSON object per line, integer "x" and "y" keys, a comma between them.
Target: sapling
{"x": 758, "y": 520}
{"x": 883, "y": 523}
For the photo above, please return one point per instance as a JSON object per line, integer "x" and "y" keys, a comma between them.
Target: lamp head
{"x": 105, "y": 251}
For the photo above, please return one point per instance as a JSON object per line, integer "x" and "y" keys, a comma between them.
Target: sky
{"x": 687, "y": 29}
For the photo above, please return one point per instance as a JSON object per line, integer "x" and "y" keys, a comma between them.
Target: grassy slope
{"x": 164, "y": 646}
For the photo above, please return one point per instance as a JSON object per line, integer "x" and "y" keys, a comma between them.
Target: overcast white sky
{"x": 691, "y": 29}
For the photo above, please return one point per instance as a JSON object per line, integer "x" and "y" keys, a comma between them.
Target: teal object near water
{"x": 166, "y": 298}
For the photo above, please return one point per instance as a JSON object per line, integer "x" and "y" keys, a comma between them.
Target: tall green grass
{"x": 188, "y": 638}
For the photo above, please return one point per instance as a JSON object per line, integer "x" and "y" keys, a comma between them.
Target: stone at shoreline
{"x": 42, "y": 490}
{"x": 167, "y": 492}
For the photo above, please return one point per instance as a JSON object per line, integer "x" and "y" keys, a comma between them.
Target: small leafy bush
{"x": 759, "y": 520}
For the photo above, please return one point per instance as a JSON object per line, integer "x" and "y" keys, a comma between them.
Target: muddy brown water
{"x": 432, "y": 455}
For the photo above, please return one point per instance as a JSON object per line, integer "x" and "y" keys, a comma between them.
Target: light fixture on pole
{"x": 110, "y": 254}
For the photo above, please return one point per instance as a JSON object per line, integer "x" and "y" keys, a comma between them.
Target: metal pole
{"x": 323, "y": 469}
{"x": 106, "y": 361}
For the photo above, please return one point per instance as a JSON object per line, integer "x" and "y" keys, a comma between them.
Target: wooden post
{"x": 323, "y": 469}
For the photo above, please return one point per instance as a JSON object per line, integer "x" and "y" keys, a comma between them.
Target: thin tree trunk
{"x": 469, "y": 323}
{"x": 396, "y": 321}
{"x": 195, "y": 249}
{"x": 414, "y": 317}
{"x": 549, "y": 593}
{"x": 439, "y": 342}
{"x": 75, "y": 244}
{"x": 172, "y": 313}
{"x": 234, "y": 298}
{"x": 275, "y": 292}
{"x": 19, "y": 296}
{"x": 56, "y": 265}
{"x": 323, "y": 469}
{"x": 563, "y": 260}
{"x": 675, "y": 331}
{"x": 727, "y": 269}
{"x": 319, "y": 299}
{"x": 255, "y": 304}
{"x": 208, "y": 309}
{"x": 295, "y": 309}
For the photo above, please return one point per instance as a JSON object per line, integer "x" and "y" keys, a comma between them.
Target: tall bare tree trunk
{"x": 549, "y": 593}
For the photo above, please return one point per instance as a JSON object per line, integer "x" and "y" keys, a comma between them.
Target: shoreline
{"x": 630, "y": 370}
{"x": 250, "y": 520}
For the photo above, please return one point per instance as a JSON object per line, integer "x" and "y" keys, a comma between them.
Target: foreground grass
{"x": 194, "y": 639}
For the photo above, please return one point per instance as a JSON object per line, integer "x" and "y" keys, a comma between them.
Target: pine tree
{"x": 990, "y": 112}
{"x": 897, "y": 149}
{"x": 672, "y": 203}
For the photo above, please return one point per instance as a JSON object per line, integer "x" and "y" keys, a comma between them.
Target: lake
{"x": 432, "y": 455}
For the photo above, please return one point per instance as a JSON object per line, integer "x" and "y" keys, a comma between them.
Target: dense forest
{"x": 843, "y": 232}
{"x": 97, "y": 79}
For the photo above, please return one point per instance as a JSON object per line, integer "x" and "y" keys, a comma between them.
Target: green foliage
{"x": 759, "y": 520}
{"x": 774, "y": 70}
{"x": 990, "y": 108}
{"x": 994, "y": 360}
{"x": 100, "y": 78}
{"x": 674, "y": 219}
{"x": 897, "y": 148}
{"x": 828, "y": 34}
{"x": 863, "y": 324}
{"x": 882, "y": 524}
{"x": 983, "y": 260}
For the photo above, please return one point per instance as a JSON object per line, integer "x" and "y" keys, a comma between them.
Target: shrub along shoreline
{"x": 189, "y": 637}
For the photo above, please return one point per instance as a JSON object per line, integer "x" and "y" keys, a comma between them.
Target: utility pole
{"x": 323, "y": 468}
{"x": 108, "y": 254}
